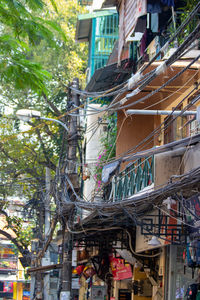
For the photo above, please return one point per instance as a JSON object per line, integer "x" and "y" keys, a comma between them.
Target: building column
{"x": 172, "y": 272}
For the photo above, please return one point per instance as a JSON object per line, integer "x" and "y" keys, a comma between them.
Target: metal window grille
{"x": 104, "y": 36}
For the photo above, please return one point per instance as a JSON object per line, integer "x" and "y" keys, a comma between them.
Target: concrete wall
{"x": 93, "y": 147}
{"x": 175, "y": 162}
{"x": 166, "y": 165}
{"x": 132, "y": 131}
{"x": 191, "y": 158}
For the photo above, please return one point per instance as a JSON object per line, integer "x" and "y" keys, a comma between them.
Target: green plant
{"x": 108, "y": 149}
{"x": 180, "y": 15}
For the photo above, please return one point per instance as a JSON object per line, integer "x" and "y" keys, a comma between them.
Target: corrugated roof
{"x": 110, "y": 76}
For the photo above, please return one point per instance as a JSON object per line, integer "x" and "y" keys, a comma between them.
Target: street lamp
{"x": 27, "y": 114}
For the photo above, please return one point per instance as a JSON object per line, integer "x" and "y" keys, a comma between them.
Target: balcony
{"x": 104, "y": 36}
{"x": 134, "y": 178}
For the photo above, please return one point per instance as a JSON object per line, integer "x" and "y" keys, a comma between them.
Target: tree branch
{"x": 21, "y": 249}
{"x": 53, "y": 226}
{"x": 53, "y": 107}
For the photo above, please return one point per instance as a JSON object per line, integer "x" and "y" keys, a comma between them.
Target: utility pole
{"x": 43, "y": 282}
{"x": 47, "y": 216}
{"x": 71, "y": 172}
{"x": 38, "y": 276}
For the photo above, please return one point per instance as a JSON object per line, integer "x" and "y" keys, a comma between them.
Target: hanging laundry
{"x": 143, "y": 43}
{"x": 154, "y": 6}
{"x": 192, "y": 291}
{"x": 190, "y": 256}
{"x": 168, "y": 2}
{"x": 154, "y": 22}
{"x": 141, "y": 24}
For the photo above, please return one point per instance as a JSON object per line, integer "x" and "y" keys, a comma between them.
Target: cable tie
{"x": 135, "y": 92}
{"x": 133, "y": 80}
{"x": 160, "y": 69}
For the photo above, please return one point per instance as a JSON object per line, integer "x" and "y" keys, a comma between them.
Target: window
{"x": 175, "y": 127}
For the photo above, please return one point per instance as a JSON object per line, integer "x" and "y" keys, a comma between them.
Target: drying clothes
{"x": 154, "y": 6}
{"x": 109, "y": 170}
{"x": 154, "y": 22}
{"x": 141, "y": 24}
{"x": 143, "y": 43}
{"x": 168, "y": 2}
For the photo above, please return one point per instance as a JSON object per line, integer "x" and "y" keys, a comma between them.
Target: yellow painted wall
{"x": 137, "y": 275}
{"x": 132, "y": 131}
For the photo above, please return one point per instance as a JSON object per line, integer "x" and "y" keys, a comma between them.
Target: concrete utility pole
{"x": 71, "y": 171}
{"x": 43, "y": 282}
{"x": 47, "y": 216}
{"x": 38, "y": 276}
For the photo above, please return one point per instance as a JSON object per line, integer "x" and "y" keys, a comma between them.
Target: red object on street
{"x": 80, "y": 269}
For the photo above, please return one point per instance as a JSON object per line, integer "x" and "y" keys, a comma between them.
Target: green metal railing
{"x": 133, "y": 178}
{"x": 104, "y": 36}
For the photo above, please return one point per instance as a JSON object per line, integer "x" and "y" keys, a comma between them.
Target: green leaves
{"x": 23, "y": 73}
{"x": 22, "y": 29}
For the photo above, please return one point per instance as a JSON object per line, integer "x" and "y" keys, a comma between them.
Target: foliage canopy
{"x": 38, "y": 60}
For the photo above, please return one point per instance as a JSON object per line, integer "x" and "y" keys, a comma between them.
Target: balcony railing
{"x": 104, "y": 36}
{"x": 132, "y": 179}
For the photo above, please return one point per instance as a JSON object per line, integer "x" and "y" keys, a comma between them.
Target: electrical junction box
{"x": 53, "y": 285}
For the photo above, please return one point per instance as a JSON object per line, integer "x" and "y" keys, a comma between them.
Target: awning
{"x": 110, "y": 76}
{"x": 84, "y": 23}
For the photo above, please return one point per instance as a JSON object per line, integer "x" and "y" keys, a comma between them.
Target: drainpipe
{"x": 160, "y": 112}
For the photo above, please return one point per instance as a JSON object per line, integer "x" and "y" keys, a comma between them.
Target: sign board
{"x": 98, "y": 292}
{"x": 120, "y": 269}
{"x": 8, "y": 258}
{"x": 74, "y": 258}
{"x": 75, "y": 284}
{"x": 124, "y": 294}
{"x": 65, "y": 296}
{"x": 164, "y": 225}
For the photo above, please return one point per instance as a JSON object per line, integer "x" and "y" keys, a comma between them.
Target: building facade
{"x": 142, "y": 242}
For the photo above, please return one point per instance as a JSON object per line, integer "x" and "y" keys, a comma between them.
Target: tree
{"x": 35, "y": 53}
{"x": 20, "y": 27}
